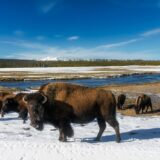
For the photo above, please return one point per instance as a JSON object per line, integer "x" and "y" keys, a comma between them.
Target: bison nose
{"x": 39, "y": 127}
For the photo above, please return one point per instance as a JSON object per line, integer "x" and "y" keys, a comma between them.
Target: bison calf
{"x": 63, "y": 103}
{"x": 143, "y": 102}
{"x": 15, "y": 103}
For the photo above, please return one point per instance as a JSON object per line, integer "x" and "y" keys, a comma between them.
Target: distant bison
{"x": 15, "y": 103}
{"x": 143, "y": 102}
{"x": 120, "y": 101}
{"x": 62, "y": 103}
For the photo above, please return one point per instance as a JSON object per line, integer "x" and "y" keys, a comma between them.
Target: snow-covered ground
{"x": 140, "y": 141}
{"x": 48, "y": 69}
{"x": 146, "y": 68}
{"x": 82, "y": 69}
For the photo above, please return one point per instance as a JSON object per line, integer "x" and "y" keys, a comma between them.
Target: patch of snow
{"x": 139, "y": 68}
{"x": 49, "y": 59}
{"x": 140, "y": 140}
{"x": 82, "y": 69}
{"x": 48, "y": 69}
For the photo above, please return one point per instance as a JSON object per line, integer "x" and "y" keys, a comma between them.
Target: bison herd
{"x": 61, "y": 104}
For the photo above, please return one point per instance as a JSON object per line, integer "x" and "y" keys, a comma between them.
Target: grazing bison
{"x": 62, "y": 103}
{"x": 15, "y": 103}
{"x": 143, "y": 102}
{"x": 120, "y": 101}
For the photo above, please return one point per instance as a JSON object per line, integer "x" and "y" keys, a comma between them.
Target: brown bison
{"x": 120, "y": 101}
{"x": 15, "y": 103}
{"x": 2, "y": 96}
{"x": 62, "y": 103}
{"x": 143, "y": 102}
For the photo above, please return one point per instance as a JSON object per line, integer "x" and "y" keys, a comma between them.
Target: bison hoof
{"x": 24, "y": 121}
{"x": 62, "y": 139}
{"x": 118, "y": 140}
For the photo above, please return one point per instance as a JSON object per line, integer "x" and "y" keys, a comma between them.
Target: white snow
{"x": 48, "y": 69}
{"x": 49, "y": 59}
{"x": 82, "y": 69}
{"x": 143, "y": 68}
{"x": 146, "y": 68}
{"x": 140, "y": 141}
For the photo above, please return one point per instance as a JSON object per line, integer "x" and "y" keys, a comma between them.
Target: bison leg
{"x": 65, "y": 130}
{"x": 102, "y": 126}
{"x": 23, "y": 114}
{"x": 151, "y": 107}
{"x": 143, "y": 108}
{"x": 62, "y": 136}
{"x": 114, "y": 123}
{"x": 118, "y": 106}
{"x": 147, "y": 108}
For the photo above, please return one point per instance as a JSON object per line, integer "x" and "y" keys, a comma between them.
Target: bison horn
{"x": 45, "y": 99}
{"x": 25, "y": 98}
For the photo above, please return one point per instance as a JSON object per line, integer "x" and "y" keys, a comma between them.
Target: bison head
{"x": 9, "y": 104}
{"x": 35, "y": 103}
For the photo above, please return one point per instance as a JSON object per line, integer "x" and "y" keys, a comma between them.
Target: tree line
{"x": 4, "y": 63}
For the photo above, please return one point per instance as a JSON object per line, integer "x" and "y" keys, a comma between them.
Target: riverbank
{"x": 132, "y": 91}
{"x": 44, "y": 73}
{"x": 30, "y": 75}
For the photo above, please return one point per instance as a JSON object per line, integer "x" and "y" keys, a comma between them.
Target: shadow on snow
{"x": 139, "y": 134}
{"x": 9, "y": 119}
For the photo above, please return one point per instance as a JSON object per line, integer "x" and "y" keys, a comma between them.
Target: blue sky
{"x": 111, "y": 29}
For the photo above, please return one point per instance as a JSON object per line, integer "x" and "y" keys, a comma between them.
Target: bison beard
{"x": 66, "y": 103}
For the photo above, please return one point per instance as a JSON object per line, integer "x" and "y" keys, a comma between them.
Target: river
{"x": 92, "y": 82}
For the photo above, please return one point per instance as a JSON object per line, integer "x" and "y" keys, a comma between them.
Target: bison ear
{"x": 44, "y": 98}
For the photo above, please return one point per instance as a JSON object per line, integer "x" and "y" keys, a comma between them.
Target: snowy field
{"x": 140, "y": 141}
{"x": 82, "y": 69}
{"x": 41, "y": 73}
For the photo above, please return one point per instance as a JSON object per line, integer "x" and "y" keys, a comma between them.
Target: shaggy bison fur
{"x": 143, "y": 102}
{"x": 2, "y": 96}
{"x": 62, "y": 103}
{"x": 15, "y": 103}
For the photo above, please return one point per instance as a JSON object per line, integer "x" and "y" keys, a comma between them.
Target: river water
{"x": 92, "y": 82}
